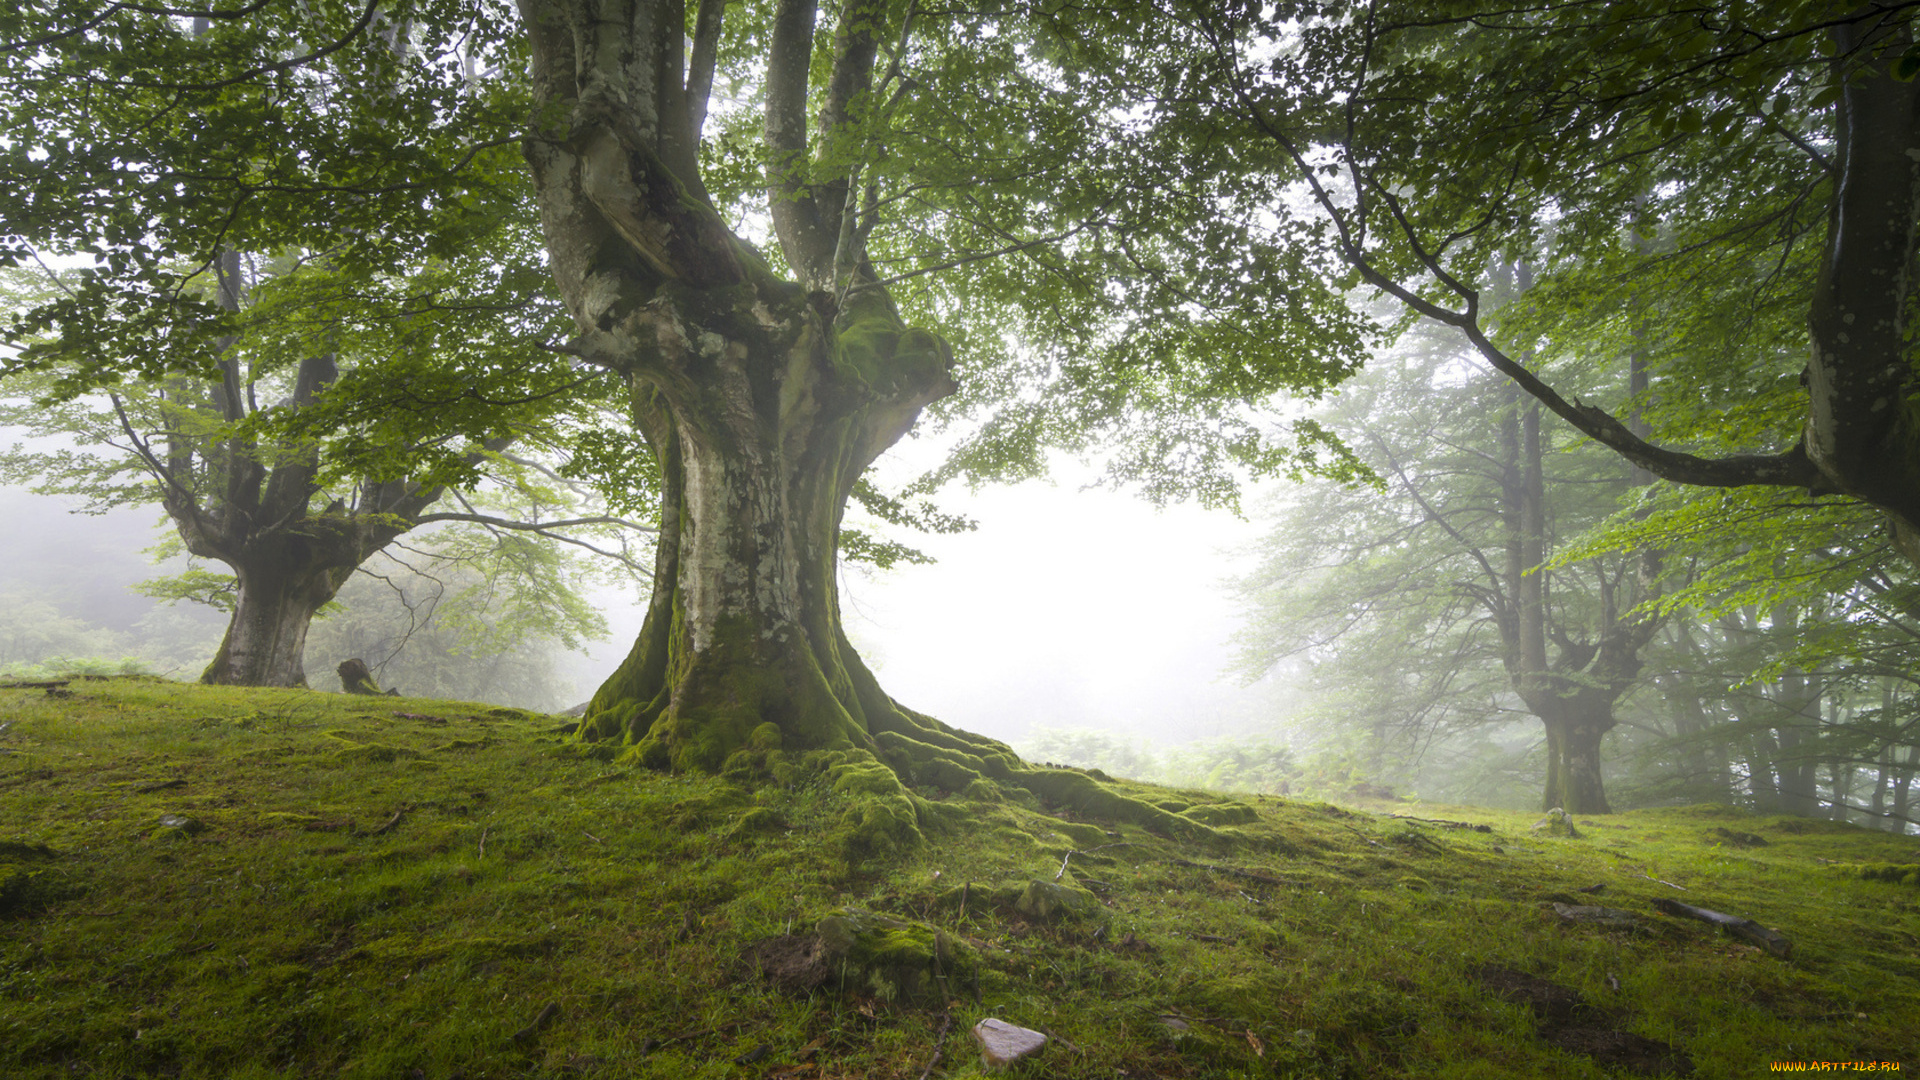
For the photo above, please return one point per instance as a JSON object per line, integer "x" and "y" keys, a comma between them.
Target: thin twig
{"x": 1071, "y": 852}
{"x": 391, "y": 822}
{"x": 546, "y": 1014}
{"x": 483, "y": 841}
{"x": 1668, "y": 884}
{"x": 1361, "y": 835}
{"x": 939, "y": 1045}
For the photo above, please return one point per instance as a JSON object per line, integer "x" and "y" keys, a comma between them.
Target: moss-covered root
{"x": 753, "y": 707}
{"x": 945, "y": 761}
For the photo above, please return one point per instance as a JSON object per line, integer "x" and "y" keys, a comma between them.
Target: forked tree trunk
{"x": 1574, "y": 692}
{"x": 743, "y": 645}
{"x": 762, "y": 399}
{"x": 284, "y": 571}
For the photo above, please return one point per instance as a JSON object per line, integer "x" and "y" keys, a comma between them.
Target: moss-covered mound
{"x": 505, "y": 902}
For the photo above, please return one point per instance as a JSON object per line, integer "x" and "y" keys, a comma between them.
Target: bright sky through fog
{"x": 1066, "y": 607}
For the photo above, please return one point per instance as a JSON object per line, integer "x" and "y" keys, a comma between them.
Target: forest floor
{"x": 204, "y": 882}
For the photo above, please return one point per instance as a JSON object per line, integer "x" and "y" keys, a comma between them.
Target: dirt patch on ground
{"x": 1577, "y": 1026}
{"x": 795, "y": 963}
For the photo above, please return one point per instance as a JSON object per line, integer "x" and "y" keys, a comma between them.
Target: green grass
{"x": 354, "y": 892}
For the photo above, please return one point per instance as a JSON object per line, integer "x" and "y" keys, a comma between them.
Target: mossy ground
{"x": 359, "y": 887}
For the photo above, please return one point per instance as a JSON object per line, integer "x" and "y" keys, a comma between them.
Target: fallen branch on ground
{"x": 1771, "y": 940}
{"x": 391, "y": 822}
{"x": 1443, "y": 823}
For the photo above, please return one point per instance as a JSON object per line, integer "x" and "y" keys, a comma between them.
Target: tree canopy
{"x": 1768, "y": 148}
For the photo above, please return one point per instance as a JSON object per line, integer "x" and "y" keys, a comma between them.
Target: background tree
{"x": 1788, "y": 669}
{"x": 258, "y": 470}
{"x": 1438, "y": 606}
{"x": 1776, "y": 143}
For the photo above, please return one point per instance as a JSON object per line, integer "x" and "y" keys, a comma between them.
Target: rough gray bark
{"x": 763, "y": 400}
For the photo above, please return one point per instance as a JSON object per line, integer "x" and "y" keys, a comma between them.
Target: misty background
{"x": 1124, "y": 623}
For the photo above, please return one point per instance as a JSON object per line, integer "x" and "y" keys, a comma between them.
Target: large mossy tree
{"x": 763, "y": 399}
{"x": 765, "y": 395}
{"x": 953, "y": 218}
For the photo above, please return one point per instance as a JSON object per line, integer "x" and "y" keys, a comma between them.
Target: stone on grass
{"x": 1002, "y": 1044}
{"x": 186, "y": 826}
{"x": 1045, "y": 902}
{"x": 1557, "y": 823}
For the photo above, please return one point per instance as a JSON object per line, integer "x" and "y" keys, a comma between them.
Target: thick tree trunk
{"x": 274, "y": 604}
{"x": 1574, "y": 782}
{"x": 283, "y": 573}
{"x": 762, "y": 400}
{"x": 742, "y": 644}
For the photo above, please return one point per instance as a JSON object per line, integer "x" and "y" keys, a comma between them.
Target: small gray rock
{"x": 1002, "y": 1044}
{"x": 185, "y": 825}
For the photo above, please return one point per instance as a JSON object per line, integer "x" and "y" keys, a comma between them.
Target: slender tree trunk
{"x": 1763, "y": 784}
{"x": 1798, "y": 699}
{"x": 1706, "y": 762}
{"x": 1902, "y": 792}
{"x": 1877, "y": 802}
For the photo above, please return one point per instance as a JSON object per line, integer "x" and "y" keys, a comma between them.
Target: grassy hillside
{"x": 202, "y": 882}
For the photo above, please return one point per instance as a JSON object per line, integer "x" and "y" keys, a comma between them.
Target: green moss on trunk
{"x": 760, "y": 430}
